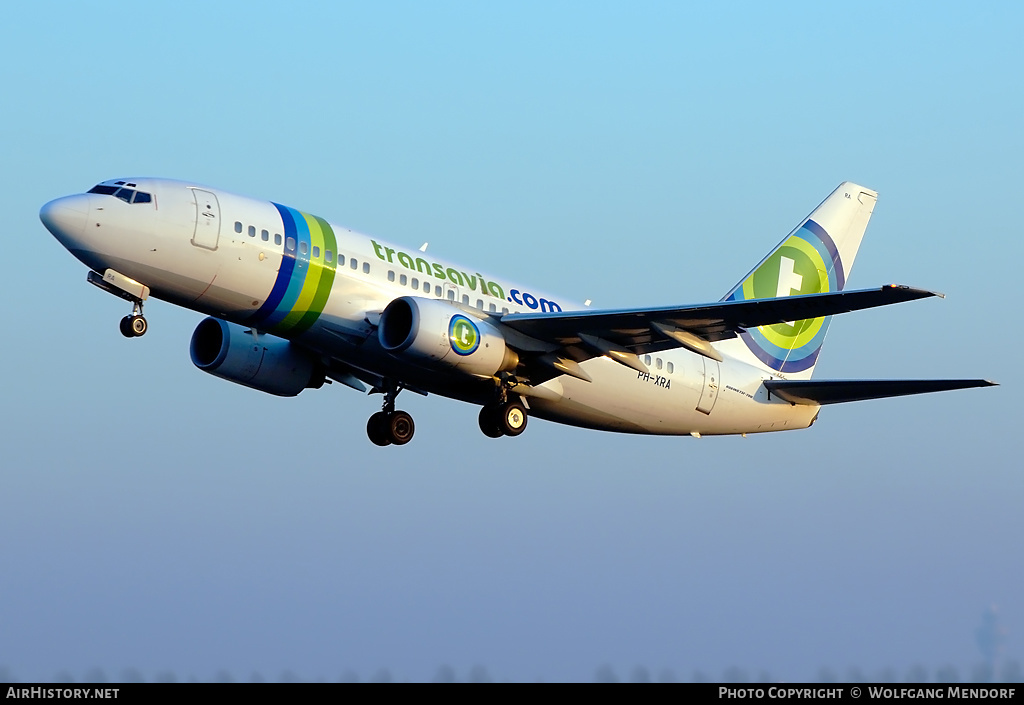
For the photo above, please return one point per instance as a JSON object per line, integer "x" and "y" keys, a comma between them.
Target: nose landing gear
{"x": 388, "y": 426}
{"x": 134, "y": 325}
{"x": 123, "y": 287}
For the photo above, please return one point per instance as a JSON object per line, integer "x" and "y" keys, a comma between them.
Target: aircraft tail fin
{"x": 816, "y": 257}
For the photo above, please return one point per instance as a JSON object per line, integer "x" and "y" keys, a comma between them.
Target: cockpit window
{"x": 125, "y": 194}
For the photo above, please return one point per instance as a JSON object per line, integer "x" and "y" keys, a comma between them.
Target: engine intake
{"x": 266, "y": 363}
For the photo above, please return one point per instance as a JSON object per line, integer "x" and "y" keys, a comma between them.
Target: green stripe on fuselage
{"x": 312, "y": 278}
{"x": 326, "y": 275}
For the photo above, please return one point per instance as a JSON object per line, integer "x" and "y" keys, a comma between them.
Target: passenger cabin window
{"x": 366, "y": 267}
{"x": 437, "y": 291}
{"x": 265, "y": 236}
{"x": 277, "y": 238}
{"x": 341, "y": 260}
{"x": 657, "y": 363}
{"x": 238, "y": 226}
{"x": 303, "y": 248}
{"x": 671, "y": 367}
{"x": 391, "y": 275}
{"x": 465, "y": 299}
{"x": 504, "y": 311}
{"x": 415, "y": 283}
{"x": 329, "y": 256}
{"x": 480, "y": 304}
{"x": 403, "y": 280}
{"x": 289, "y": 243}
{"x": 647, "y": 359}
{"x": 316, "y": 252}
{"x": 451, "y": 294}
{"x": 426, "y": 287}
{"x": 252, "y": 231}
{"x": 492, "y": 308}
{"x": 353, "y": 263}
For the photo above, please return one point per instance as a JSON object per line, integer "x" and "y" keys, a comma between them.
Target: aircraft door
{"x": 207, "y": 231}
{"x": 709, "y": 394}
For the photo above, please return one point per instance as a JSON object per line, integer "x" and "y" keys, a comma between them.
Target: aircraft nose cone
{"x": 65, "y": 218}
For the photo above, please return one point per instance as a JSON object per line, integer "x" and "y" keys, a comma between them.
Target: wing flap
{"x": 841, "y": 391}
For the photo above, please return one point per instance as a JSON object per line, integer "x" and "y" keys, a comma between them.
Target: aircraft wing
{"x": 839, "y": 391}
{"x": 575, "y": 336}
{"x": 650, "y": 329}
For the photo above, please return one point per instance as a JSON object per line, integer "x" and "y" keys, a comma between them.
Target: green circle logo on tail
{"x": 806, "y": 263}
{"x": 463, "y": 335}
{"x": 795, "y": 268}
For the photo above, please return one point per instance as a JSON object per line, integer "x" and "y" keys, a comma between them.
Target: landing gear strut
{"x": 134, "y": 325}
{"x": 389, "y": 426}
{"x": 503, "y": 417}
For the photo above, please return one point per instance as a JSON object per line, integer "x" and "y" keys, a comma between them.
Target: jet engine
{"x": 263, "y": 362}
{"x": 433, "y": 333}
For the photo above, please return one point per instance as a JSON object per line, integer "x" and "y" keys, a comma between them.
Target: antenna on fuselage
{"x": 423, "y": 247}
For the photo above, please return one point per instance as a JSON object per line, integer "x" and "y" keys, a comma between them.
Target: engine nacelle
{"x": 266, "y": 363}
{"x": 434, "y": 333}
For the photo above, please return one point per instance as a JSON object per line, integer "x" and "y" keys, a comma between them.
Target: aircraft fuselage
{"x": 323, "y": 286}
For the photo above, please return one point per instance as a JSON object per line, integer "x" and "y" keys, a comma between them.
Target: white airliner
{"x": 295, "y": 301}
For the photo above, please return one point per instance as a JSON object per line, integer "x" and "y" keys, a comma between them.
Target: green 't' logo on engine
{"x": 463, "y": 335}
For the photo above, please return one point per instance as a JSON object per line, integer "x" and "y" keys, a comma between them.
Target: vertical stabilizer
{"x": 815, "y": 258}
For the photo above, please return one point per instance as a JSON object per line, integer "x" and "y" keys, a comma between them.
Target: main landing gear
{"x": 388, "y": 426}
{"x": 134, "y": 325}
{"x": 504, "y": 416}
{"x": 507, "y": 419}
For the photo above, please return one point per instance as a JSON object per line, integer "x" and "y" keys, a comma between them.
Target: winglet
{"x": 925, "y": 293}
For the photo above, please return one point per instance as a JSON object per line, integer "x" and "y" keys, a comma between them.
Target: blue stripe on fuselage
{"x": 300, "y": 231}
{"x": 284, "y": 274}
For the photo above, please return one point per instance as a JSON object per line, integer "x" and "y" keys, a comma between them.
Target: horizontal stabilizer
{"x": 839, "y": 391}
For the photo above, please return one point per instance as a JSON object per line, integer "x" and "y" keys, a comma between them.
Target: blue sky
{"x": 158, "y": 518}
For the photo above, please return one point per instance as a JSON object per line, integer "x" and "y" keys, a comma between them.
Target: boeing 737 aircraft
{"x": 295, "y": 301}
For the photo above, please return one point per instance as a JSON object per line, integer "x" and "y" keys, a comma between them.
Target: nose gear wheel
{"x": 135, "y": 325}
